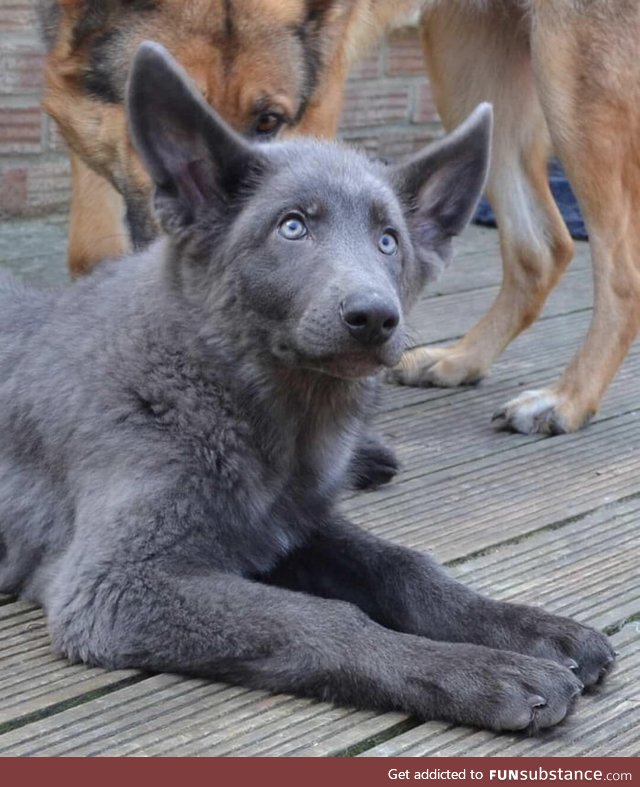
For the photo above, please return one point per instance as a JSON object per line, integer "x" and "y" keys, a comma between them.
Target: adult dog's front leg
{"x": 586, "y": 65}
{"x": 483, "y": 54}
{"x": 408, "y": 591}
{"x": 96, "y": 221}
{"x": 223, "y": 626}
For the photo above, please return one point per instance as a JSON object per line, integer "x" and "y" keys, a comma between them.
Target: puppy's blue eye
{"x": 388, "y": 243}
{"x": 293, "y": 227}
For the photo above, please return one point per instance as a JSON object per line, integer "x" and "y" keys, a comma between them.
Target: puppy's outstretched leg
{"x": 408, "y": 591}
{"x": 211, "y": 624}
{"x": 587, "y": 67}
{"x": 483, "y": 55}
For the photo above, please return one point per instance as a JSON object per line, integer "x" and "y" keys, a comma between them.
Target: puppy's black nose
{"x": 370, "y": 318}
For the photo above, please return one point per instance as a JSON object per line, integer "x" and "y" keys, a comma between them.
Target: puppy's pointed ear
{"x": 440, "y": 185}
{"x": 194, "y": 158}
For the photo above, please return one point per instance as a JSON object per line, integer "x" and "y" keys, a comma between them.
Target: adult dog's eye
{"x": 292, "y": 227}
{"x": 388, "y": 243}
{"x": 268, "y": 124}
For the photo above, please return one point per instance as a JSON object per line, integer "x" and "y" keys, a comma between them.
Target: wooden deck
{"x": 547, "y": 521}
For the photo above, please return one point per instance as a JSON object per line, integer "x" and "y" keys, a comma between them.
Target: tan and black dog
{"x": 267, "y": 65}
{"x": 561, "y": 73}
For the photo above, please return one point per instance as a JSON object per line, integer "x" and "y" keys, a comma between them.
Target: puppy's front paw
{"x": 529, "y": 694}
{"x": 499, "y": 690}
{"x": 587, "y": 652}
{"x": 373, "y": 464}
{"x": 590, "y": 651}
{"x": 583, "y": 650}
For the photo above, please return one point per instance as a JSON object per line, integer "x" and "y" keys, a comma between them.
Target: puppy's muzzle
{"x": 370, "y": 318}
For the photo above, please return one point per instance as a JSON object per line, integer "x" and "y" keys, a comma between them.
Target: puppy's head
{"x": 323, "y": 249}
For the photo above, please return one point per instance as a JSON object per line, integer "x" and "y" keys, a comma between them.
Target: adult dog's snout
{"x": 370, "y": 317}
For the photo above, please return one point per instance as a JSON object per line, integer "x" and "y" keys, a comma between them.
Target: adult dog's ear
{"x": 194, "y": 158}
{"x": 322, "y": 34}
{"x": 324, "y": 23}
{"x": 440, "y": 185}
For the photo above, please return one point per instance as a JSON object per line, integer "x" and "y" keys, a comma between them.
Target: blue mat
{"x": 563, "y": 195}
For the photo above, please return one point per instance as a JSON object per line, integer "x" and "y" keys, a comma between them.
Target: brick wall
{"x": 34, "y": 171}
{"x": 388, "y": 111}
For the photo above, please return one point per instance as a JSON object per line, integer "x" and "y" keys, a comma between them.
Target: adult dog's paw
{"x": 442, "y": 367}
{"x": 373, "y": 464}
{"x": 541, "y": 412}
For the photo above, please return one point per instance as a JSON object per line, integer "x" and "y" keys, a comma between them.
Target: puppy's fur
{"x": 271, "y": 67}
{"x": 174, "y": 431}
{"x": 560, "y": 71}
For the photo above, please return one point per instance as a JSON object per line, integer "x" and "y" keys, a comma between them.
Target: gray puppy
{"x": 175, "y": 429}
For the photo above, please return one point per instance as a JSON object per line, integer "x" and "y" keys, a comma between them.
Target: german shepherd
{"x": 564, "y": 72}
{"x": 269, "y": 66}
{"x": 168, "y": 482}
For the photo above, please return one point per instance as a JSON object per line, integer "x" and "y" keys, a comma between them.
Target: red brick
{"x": 424, "y": 108}
{"x": 369, "y": 143}
{"x": 21, "y": 68}
{"x": 13, "y": 192}
{"x": 20, "y": 130}
{"x": 368, "y": 67}
{"x": 404, "y": 54}
{"x": 390, "y": 143}
{"x": 375, "y": 104}
{"x": 48, "y": 187}
{"x": 395, "y": 144}
{"x": 55, "y": 141}
{"x": 16, "y": 16}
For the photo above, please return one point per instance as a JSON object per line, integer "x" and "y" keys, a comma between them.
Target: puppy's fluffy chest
{"x": 275, "y": 453}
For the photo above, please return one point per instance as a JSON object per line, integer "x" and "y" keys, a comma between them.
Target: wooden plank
{"x": 534, "y": 358}
{"x": 35, "y": 251}
{"x": 585, "y": 568}
{"x": 170, "y": 715}
{"x": 488, "y": 500}
{"x": 41, "y": 270}
{"x": 446, "y": 317}
{"x": 454, "y": 430}
{"x": 475, "y": 240}
{"x": 32, "y": 679}
{"x": 477, "y": 266}
{"x": 572, "y": 570}
{"x": 25, "y": 239}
